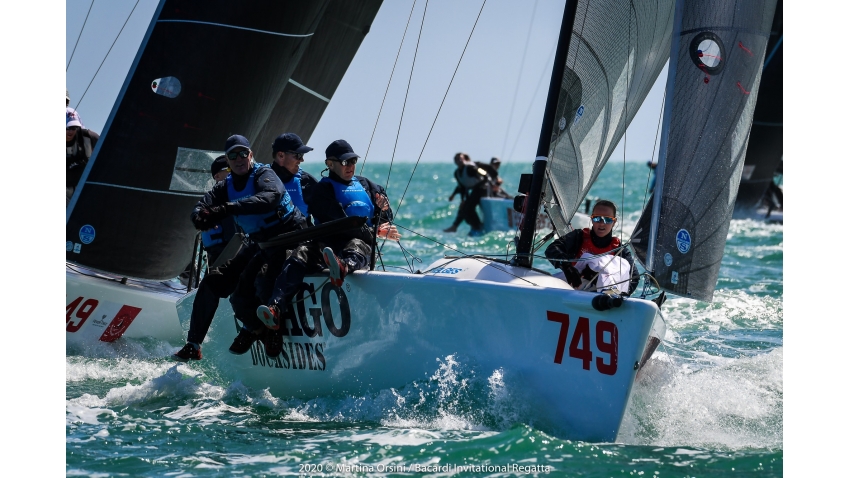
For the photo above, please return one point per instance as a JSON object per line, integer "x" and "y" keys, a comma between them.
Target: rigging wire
{"x": 107, "y": 54}
{"x": 78, "y": 37}
{"x": 403, "y": 36}
{"x": 519, "y": 77}
{"x": 654, "y": 144}
{"x": 531, "y": 104}
{"x": 406, "y": 93}
{"x": 422, "y": 151}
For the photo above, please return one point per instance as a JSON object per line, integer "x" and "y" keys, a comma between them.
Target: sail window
{"x": 192, "y": 170}
{"x": 708, "y": 53}
{"x": 168, "y": 86}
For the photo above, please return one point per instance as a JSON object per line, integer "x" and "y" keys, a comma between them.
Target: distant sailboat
{"x": 204, "y": 71}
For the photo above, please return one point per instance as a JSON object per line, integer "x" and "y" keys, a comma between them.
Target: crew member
{"x": 287, "y": 155}
{"x": 337, "y": 196}
{"x": 565, "y": 251}
{"x": 216, "y": 239}
{"x": 496, "y": 190}
{"x": 255, "y": 197}
{"x": 79, "y": 144}
{"x": 472, "y": 186}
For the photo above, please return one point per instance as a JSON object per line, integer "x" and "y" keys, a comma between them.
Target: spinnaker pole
{"x": 526, "y": 235}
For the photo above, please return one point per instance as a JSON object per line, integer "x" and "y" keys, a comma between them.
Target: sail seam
{"x": 238, "y": 28}
{"x": 308, "y": 90}
{"x": 725, "y": 29}
{"x": 147, "y": 190}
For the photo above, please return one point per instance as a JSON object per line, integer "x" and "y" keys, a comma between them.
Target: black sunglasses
{"x": 299, "y": 156}
{"x": 344, "y": 162}
{"x": 233, "y": 155}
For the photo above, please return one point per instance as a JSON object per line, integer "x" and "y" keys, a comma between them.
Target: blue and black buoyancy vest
{"x": 355, "y": 201}
{"x": 293, "y": 188}
{"x": 221, "y": 234}
{"x": 252, "y": 223}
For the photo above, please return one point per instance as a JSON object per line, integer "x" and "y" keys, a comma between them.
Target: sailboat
{"x": 203, "y": 72}
{"x": 572, "y": 355}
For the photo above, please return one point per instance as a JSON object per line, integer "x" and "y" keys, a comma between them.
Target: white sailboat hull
{"x": 382, "y": 330}
{"x": 499, "y": 215}
{"x": 102, "y": 309}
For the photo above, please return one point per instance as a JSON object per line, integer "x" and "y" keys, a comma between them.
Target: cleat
{"x": 187, "y": 353}
{"x": 269, "y": 315}
{"x": 337, "y": 268}
{"x": 243, "y": 342}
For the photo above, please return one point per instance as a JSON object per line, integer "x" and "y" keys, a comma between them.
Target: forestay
{"x": 617, "y": 49}
{"x": 205, "y": 70}
{"x": 715, "y": 68}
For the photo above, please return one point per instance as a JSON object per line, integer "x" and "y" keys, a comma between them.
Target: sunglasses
{"x": 233, "y": 155}
{"x": 345, "y": 162}
{"x": 603, "y": 219}
{"x": 298, "y": 156}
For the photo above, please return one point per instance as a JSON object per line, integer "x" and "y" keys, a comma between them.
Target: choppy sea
{"x": 710, "y": 402}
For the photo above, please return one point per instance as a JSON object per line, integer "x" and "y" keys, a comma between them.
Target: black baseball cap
{"x": 219, "y": 164}
{"x": 289, "y": 142}
{"x": 236, "y": 141}
{"x": 340, "y": 150}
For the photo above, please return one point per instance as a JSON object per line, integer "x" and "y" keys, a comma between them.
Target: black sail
{"x": 715, "y": 67}
{"x": 205, "y": 70}
{"x": 332, "y": 48}
{"x": 764, "y": 151}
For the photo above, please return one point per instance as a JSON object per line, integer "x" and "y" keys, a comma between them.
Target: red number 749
{"x": 580, "y": 343}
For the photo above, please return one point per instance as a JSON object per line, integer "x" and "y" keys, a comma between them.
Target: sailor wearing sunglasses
{"x": 588, "y": 243}
{"x": 254, "y": 196}
{"x": 341, "y": 194}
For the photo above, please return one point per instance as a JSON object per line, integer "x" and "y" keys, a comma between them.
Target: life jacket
{"x": 72, "y": 151}
{"x": 589, "y": 247}
{"x": 253, "y": 223}
{"x": 355, "y": 201}
{"x": 293, "y": 187}
{"x": 470, "y": 176}
{"x": 213, "y": 237}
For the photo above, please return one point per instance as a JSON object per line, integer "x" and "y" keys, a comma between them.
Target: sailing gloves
{"x": 208, "y": 217}
{"x": 572, "y": 275}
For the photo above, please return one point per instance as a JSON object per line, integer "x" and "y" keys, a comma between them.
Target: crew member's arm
{"x": 267, "y": 193}
{"x": 216, "y": 196}
{"x": 566, "y": 247}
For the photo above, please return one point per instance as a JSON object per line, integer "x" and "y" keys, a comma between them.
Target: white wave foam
{"x": 732, "y": 406}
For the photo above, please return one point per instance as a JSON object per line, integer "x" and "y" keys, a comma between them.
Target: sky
{"x": 493, "y": 108}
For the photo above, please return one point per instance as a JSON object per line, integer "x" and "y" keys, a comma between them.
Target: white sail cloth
{"x": 614, "y": 271}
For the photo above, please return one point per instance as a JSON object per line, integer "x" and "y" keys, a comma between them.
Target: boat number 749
{"x": 606, "y": 342}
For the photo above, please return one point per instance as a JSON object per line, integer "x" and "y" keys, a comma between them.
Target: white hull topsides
{"x": 383, "y": 330}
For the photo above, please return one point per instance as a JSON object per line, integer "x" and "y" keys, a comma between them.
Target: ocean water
{"x": 709, "y": 403}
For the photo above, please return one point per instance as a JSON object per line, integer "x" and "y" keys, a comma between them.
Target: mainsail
{"x": 205, "y": 70}
{"x": 715, "y": 66}
{"x": 764, "y": 150}
{"x": 616, "y": 51}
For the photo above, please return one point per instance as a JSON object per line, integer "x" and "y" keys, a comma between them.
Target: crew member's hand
{"x": 382, "y": 201}
{"x": 572, "y": 275}
{"x": 216, "y": 213}
{"x": 200, "y": 222}
{"x": 388, "y": 231}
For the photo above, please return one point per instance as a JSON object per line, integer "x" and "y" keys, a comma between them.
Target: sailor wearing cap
{"x": 216, "y": 238}
{"x": 341, "y": 194}
{"x": 288, "y": 153}
{"x": 254, "y": 196}
{"x": 79, "y": 144}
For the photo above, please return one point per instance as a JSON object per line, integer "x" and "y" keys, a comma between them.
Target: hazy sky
{"x": 493, "y": 79}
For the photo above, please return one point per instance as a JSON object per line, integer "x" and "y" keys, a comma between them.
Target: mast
{"x": 526, "y": 237}
{"x": 658, "y": 192}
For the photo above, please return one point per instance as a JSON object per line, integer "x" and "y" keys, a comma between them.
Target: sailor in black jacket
{"x": 255, "y": 197}
{"x": 337, "y": 196}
